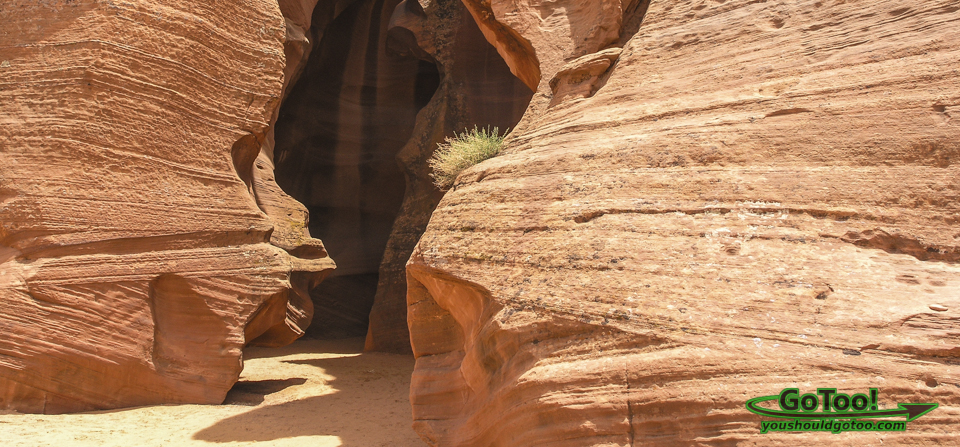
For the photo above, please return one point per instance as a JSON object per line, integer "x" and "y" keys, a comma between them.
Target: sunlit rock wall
{"x": 135, "y": 237}
{"x": 726, "y": 200}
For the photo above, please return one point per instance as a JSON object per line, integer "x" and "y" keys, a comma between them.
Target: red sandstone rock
{"x": 581, "y": 77}
{"x": 476, "y": 89}
{"x": 746, "y": 198}
{"x": 756, "y": 196}
{"x": 135, "y": 235}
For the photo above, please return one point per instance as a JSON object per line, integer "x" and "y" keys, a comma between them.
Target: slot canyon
{"x": 697, "y": 203}
{"x": 347, "y": 147}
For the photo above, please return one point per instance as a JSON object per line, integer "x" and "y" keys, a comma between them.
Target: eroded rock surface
{"x": 757, "y": 195}
{"x": 476, "y": 88}
{"x": 139, "y": 249}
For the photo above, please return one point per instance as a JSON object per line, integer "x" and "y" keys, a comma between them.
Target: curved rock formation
{"x": 757, "y": 195}
{"x": 476, "y": 89}
{"x": 337, "y": 137}
{"x": 139, "y": 248}
{"x": 581, "y": 77}
{"x": 704, "y": 202}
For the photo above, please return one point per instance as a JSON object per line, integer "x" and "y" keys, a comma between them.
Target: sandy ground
{"x": 313, "y": 393}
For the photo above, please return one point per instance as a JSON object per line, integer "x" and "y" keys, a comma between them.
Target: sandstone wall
{"x": 747, "y": 196}
{"x": 476, "y": 88}
{"x": 135, "y": 235}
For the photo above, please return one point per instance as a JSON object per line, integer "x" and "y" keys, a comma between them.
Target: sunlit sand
{"x": 314, "y": 393}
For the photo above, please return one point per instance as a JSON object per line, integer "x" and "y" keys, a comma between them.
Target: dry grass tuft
{"x": 462, "y": 151}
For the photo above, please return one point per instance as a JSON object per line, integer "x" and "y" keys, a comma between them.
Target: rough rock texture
{"x": 288, "y": 216}
{"x": 537, "y": 38}
{"x": 757, "y": 195}
{"x": 581, "y": 77}
{"x": 135, "y": 236}
{"x": 476, "y": 88}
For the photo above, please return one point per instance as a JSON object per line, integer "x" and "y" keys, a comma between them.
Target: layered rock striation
{"x": 703, "y": 202}
{"x": 140, "y": 247}
{"x": 749, "y": 196}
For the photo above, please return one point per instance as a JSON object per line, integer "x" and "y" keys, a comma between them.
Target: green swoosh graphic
{"x": 910, "y": 411}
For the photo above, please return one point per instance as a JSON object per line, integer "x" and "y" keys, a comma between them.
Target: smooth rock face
{"x": 139, "y": 249}
{"x": 757, "y": 195}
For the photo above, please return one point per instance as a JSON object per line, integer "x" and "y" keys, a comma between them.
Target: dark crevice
{"x": 633, "y": 16}
{"x": 367, "y": 92}
{"x": 337, "y": 136}
{"x": 428, "y": 81}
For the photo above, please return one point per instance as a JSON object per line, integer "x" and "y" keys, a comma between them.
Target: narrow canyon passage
{"x": 367, "y": 93}
{"x": 337, "y": 137}
{"x": 700, "y": 205}
{"x": 384, "y": 83}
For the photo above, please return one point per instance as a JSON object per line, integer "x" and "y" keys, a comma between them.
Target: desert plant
{"x": 462, "y": 151}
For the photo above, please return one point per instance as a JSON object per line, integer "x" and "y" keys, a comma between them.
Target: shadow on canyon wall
{"x": 385, "y": 82}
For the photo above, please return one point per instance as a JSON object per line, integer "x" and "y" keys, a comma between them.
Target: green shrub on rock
{"x": 462, "y": 151}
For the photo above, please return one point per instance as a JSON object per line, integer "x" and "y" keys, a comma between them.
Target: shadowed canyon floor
{"x": 313, "y": 392}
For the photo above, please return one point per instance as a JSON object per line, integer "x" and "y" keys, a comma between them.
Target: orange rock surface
{"x": 704, "y": 202}
{"x": 139, "y": 249}
{"x": 753, "y": 196}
